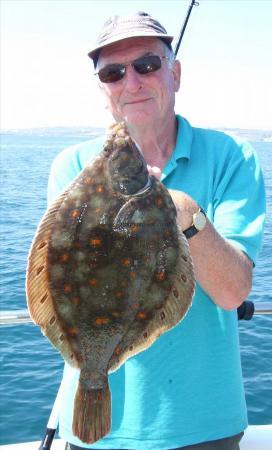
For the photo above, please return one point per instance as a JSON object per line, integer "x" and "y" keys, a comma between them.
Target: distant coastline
{"x": 249, "y": 134}
{"x": 57, "y": 131}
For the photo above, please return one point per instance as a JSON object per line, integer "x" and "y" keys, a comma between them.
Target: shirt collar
{"x": 182, "y": 148}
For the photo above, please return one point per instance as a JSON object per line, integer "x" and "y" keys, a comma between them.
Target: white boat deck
{"x": 256, "y": 438}
{"x": 58, "y": 444}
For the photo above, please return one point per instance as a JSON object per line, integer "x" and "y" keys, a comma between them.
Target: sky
{"x": 47, "y": 80}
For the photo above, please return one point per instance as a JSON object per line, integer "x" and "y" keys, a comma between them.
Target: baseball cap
{"x": 118, "y": 28}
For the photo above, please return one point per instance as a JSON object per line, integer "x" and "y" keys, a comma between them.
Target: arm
{"x": 223, "y": 271}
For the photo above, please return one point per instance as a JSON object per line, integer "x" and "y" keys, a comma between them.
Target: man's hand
{"x": 154, "y": 170}
{"x": 185, "y": 205}
{"x": 222, "y": 270}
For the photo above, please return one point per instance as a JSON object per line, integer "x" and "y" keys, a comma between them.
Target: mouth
{"x": 135, "y": 102}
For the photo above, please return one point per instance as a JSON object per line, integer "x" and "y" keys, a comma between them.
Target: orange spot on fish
{"x": 72, "y": 331}
{"x": 95, "y": 242}
{"x": 160, "y": 276}
{"x": 100, "y": 189}
{"x": 64, "y": 258}
{"x": 93, "y": 282}
{"x": 159, "y": 202}
{"x": 74, "y": 214}
{"x": 117, "y": 350}
{"x": 126, "y": 262}
{"x": 67, "y": 288}
{"x": 102, "y": 320}
{"x": 142, "y": 315}
{"x": 97, "y": 210}
{"x": 132, "y": 275}
{"x": 119, "y": 294}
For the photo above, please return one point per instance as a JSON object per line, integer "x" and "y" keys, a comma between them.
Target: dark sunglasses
{"x": 143, "y": 65}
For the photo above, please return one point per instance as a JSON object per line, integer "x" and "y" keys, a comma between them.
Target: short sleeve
{"x": 239, "y": 201}
{"x": 64, "y": 169}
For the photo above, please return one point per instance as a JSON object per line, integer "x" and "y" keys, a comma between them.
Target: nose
{"x": 132, "y": 80}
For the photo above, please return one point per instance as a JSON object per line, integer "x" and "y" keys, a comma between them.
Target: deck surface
{"x": 256, "y": 438}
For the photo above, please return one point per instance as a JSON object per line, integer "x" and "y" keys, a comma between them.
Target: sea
{"x": 31, "y": 368}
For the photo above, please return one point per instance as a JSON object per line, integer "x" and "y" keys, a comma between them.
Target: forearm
{"x": 223, "y": 271}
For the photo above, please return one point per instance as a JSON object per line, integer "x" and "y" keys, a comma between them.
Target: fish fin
{"x": 39, "y": 300}
{"x": 172, "y": 312}
{"x": 92, "y": 413}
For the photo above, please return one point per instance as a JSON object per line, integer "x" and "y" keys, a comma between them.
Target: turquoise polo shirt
{"x": 187, "y": 388}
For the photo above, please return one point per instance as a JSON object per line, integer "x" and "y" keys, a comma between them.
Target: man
{"x": 186, "y": 391}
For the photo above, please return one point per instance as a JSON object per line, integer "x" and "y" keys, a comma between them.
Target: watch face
{"x": 200, "y": 220}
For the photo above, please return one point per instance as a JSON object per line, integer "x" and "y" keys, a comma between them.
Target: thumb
{"x": 155, "y": 171}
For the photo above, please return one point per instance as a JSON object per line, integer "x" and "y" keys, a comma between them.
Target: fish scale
{"x": 108, "y": 272}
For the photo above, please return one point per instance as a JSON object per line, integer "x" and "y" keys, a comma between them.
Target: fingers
{"x": 154, "y": 170}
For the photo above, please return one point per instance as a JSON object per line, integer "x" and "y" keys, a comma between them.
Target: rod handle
{"x": 48, "y": 439}
{"x": 245, "y": 310}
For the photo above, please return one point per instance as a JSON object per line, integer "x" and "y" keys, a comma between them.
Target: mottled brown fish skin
{"x": 116, "y": 272}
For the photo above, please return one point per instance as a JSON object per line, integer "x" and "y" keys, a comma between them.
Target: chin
{"x": 138, "y": 118}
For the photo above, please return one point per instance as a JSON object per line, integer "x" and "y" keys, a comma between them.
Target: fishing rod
{"x": 52, "y": 423}
{"x": 193, "y": 3}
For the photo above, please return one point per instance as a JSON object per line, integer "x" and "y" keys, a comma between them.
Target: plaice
{"x": 108, "y": 272}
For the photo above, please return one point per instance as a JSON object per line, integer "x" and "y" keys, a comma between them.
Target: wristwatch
{"x": 199, "y": 222}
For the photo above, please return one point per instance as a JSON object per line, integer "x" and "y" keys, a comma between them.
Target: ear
{"x": 177, "y": 74}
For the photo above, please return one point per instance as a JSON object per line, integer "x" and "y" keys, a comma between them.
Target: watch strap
{"x": 192, "y": 230}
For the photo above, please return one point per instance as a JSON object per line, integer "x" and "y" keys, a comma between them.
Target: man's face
{"x": 137, "y": 99}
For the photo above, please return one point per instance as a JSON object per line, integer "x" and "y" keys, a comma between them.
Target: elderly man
{"x": 186, "y": 391}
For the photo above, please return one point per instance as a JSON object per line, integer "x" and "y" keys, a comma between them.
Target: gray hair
{"x": 169, "y": 53}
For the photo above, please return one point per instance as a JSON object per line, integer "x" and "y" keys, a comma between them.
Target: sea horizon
{"x": 250, "y": 134}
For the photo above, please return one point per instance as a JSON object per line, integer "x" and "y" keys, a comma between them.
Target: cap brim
{"x": 123, "y": 36}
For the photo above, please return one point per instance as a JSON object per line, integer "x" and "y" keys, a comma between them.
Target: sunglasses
{"x": 143, "y": 65}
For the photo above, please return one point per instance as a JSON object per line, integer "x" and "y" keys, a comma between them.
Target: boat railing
{"x": 246, "y": 311}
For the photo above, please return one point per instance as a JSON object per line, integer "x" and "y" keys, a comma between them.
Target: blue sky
{"x": 47, "y": 78}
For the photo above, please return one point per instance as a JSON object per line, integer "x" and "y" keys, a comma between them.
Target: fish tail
{"x": 92, "y": 413}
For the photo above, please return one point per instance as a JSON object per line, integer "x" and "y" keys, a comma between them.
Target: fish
{"x": 109, "y": 271}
